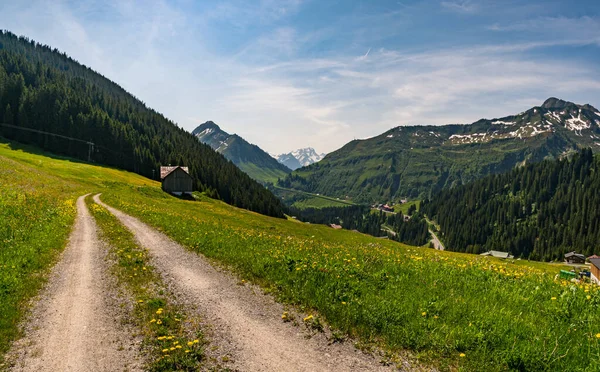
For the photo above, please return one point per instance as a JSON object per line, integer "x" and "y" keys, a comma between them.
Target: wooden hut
{"x": 574, "y": 258}
{"x": 595, "y": 270}
{"x": 176, "y": 180}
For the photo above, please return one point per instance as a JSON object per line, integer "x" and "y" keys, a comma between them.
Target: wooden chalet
{"x": 176, "y": 180}
{"x": 574, "y": 258}
{"x": 595, "y": 270}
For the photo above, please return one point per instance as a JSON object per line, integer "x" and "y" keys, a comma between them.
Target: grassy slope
{"x": 438, "y": 304}
{"x": 302, "y": 200}
{"x": 260, "y": 174}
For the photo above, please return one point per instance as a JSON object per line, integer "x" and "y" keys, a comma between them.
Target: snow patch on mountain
{"x": 576, "y": 123}
{"x": 500, "y": 122}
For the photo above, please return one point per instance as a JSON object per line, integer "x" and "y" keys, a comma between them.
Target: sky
{"x": 288, "y": 74}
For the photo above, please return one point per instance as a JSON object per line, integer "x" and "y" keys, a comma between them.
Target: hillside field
{"x": 452, "y": 310}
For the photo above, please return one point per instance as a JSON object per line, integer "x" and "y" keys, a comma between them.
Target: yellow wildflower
{"x": 462, "y": 355}
{"x": 423, "y": 313}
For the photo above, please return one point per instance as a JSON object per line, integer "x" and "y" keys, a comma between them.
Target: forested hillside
{"x": 45, "y": 90}
{"x": 376, "y": 223}
{"x": 539, "y": 211}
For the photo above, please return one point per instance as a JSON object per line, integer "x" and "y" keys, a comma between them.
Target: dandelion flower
{"x": 423, "y": 313}
{"x": 191, "y": 343}
{"x": 196, "y": 341}
{"x": 308, "y": 318}
{"x": 588, "y": 297}
{"x": 165, "y": 350}
{"x": 343, "y": 302}
{"x": 597, "y": 335}
{"x": 462, "y": 355}
{"x": 153, "y": 320}
{"x": 187, "y": 351}
{"x": 553, "y": 298}
{"x": 159, "y": 321}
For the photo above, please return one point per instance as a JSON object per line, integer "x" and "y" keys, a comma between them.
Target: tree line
{"x": 376, "y": 223}
{"x": 540, "y": 211}
{"x": 43, "y": 89}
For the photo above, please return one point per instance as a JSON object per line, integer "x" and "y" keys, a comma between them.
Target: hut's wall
{"x": 177, "y": 181}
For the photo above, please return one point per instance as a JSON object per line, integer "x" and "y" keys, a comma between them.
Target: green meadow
{"x": 449, "y": 310}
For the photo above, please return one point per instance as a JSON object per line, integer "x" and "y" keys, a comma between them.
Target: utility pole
{"x": 90, "y": 150}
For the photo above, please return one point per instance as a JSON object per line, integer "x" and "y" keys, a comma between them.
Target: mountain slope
{"x": 300, "y": 158}
{"x": 540, "y": 211}
{"x": 248, "y": 157}
{"x": 418, "y": 161}
{"x": 44, "y": 90}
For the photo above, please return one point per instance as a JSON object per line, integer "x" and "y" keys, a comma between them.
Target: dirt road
{"x": 245, "y": 324}
{"x": 436, "y": 242}
{"x": 74, "y": 325}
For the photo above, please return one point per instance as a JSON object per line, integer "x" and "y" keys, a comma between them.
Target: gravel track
{"x": 75, "y": 325}
{"x": 244, "y": 324}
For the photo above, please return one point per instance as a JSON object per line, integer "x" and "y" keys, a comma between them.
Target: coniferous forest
{"x": 361, "y": 218}
{"x": 45, "y": 90}
{"x": 539, "y": 211}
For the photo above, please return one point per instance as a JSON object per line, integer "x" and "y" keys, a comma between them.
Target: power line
{"x": 89, "y": 143}
{"x": 47, "y": 133}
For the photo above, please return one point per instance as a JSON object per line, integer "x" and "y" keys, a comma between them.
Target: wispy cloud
{"x": 464, "y": 6}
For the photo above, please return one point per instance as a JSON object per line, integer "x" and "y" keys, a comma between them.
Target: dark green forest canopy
{"x": 376, "y": 223}
{"x": 540, "y": 211}
{"x": 43, "y": 89}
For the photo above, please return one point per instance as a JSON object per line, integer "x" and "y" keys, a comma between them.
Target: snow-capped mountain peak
{"x": 300, "y": 158}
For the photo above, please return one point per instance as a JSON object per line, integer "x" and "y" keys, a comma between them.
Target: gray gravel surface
{"x": 76, "y": 323}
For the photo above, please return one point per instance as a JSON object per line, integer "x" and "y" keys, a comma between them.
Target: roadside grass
{"x": 37, "y": 211}
{"x": 168, "y": 340}
{"x": 454, "y": 311}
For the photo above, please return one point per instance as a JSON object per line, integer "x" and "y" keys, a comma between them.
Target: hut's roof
{"x": 165, "y": 171}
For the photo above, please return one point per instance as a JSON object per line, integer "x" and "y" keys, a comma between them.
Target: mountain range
{"x": 418, "y": 161}
{"x": 299, "y": 158}
{"x": 248, "y": 157}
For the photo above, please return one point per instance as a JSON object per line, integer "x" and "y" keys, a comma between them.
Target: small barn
{"x": 595, "y": 270}
{"x": 498, "y": 254}
{"x": 176, "y": 180}
{"x": 574, "y": 258}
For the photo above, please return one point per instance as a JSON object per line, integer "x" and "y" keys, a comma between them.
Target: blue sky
{"x": 286, "y": 74}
